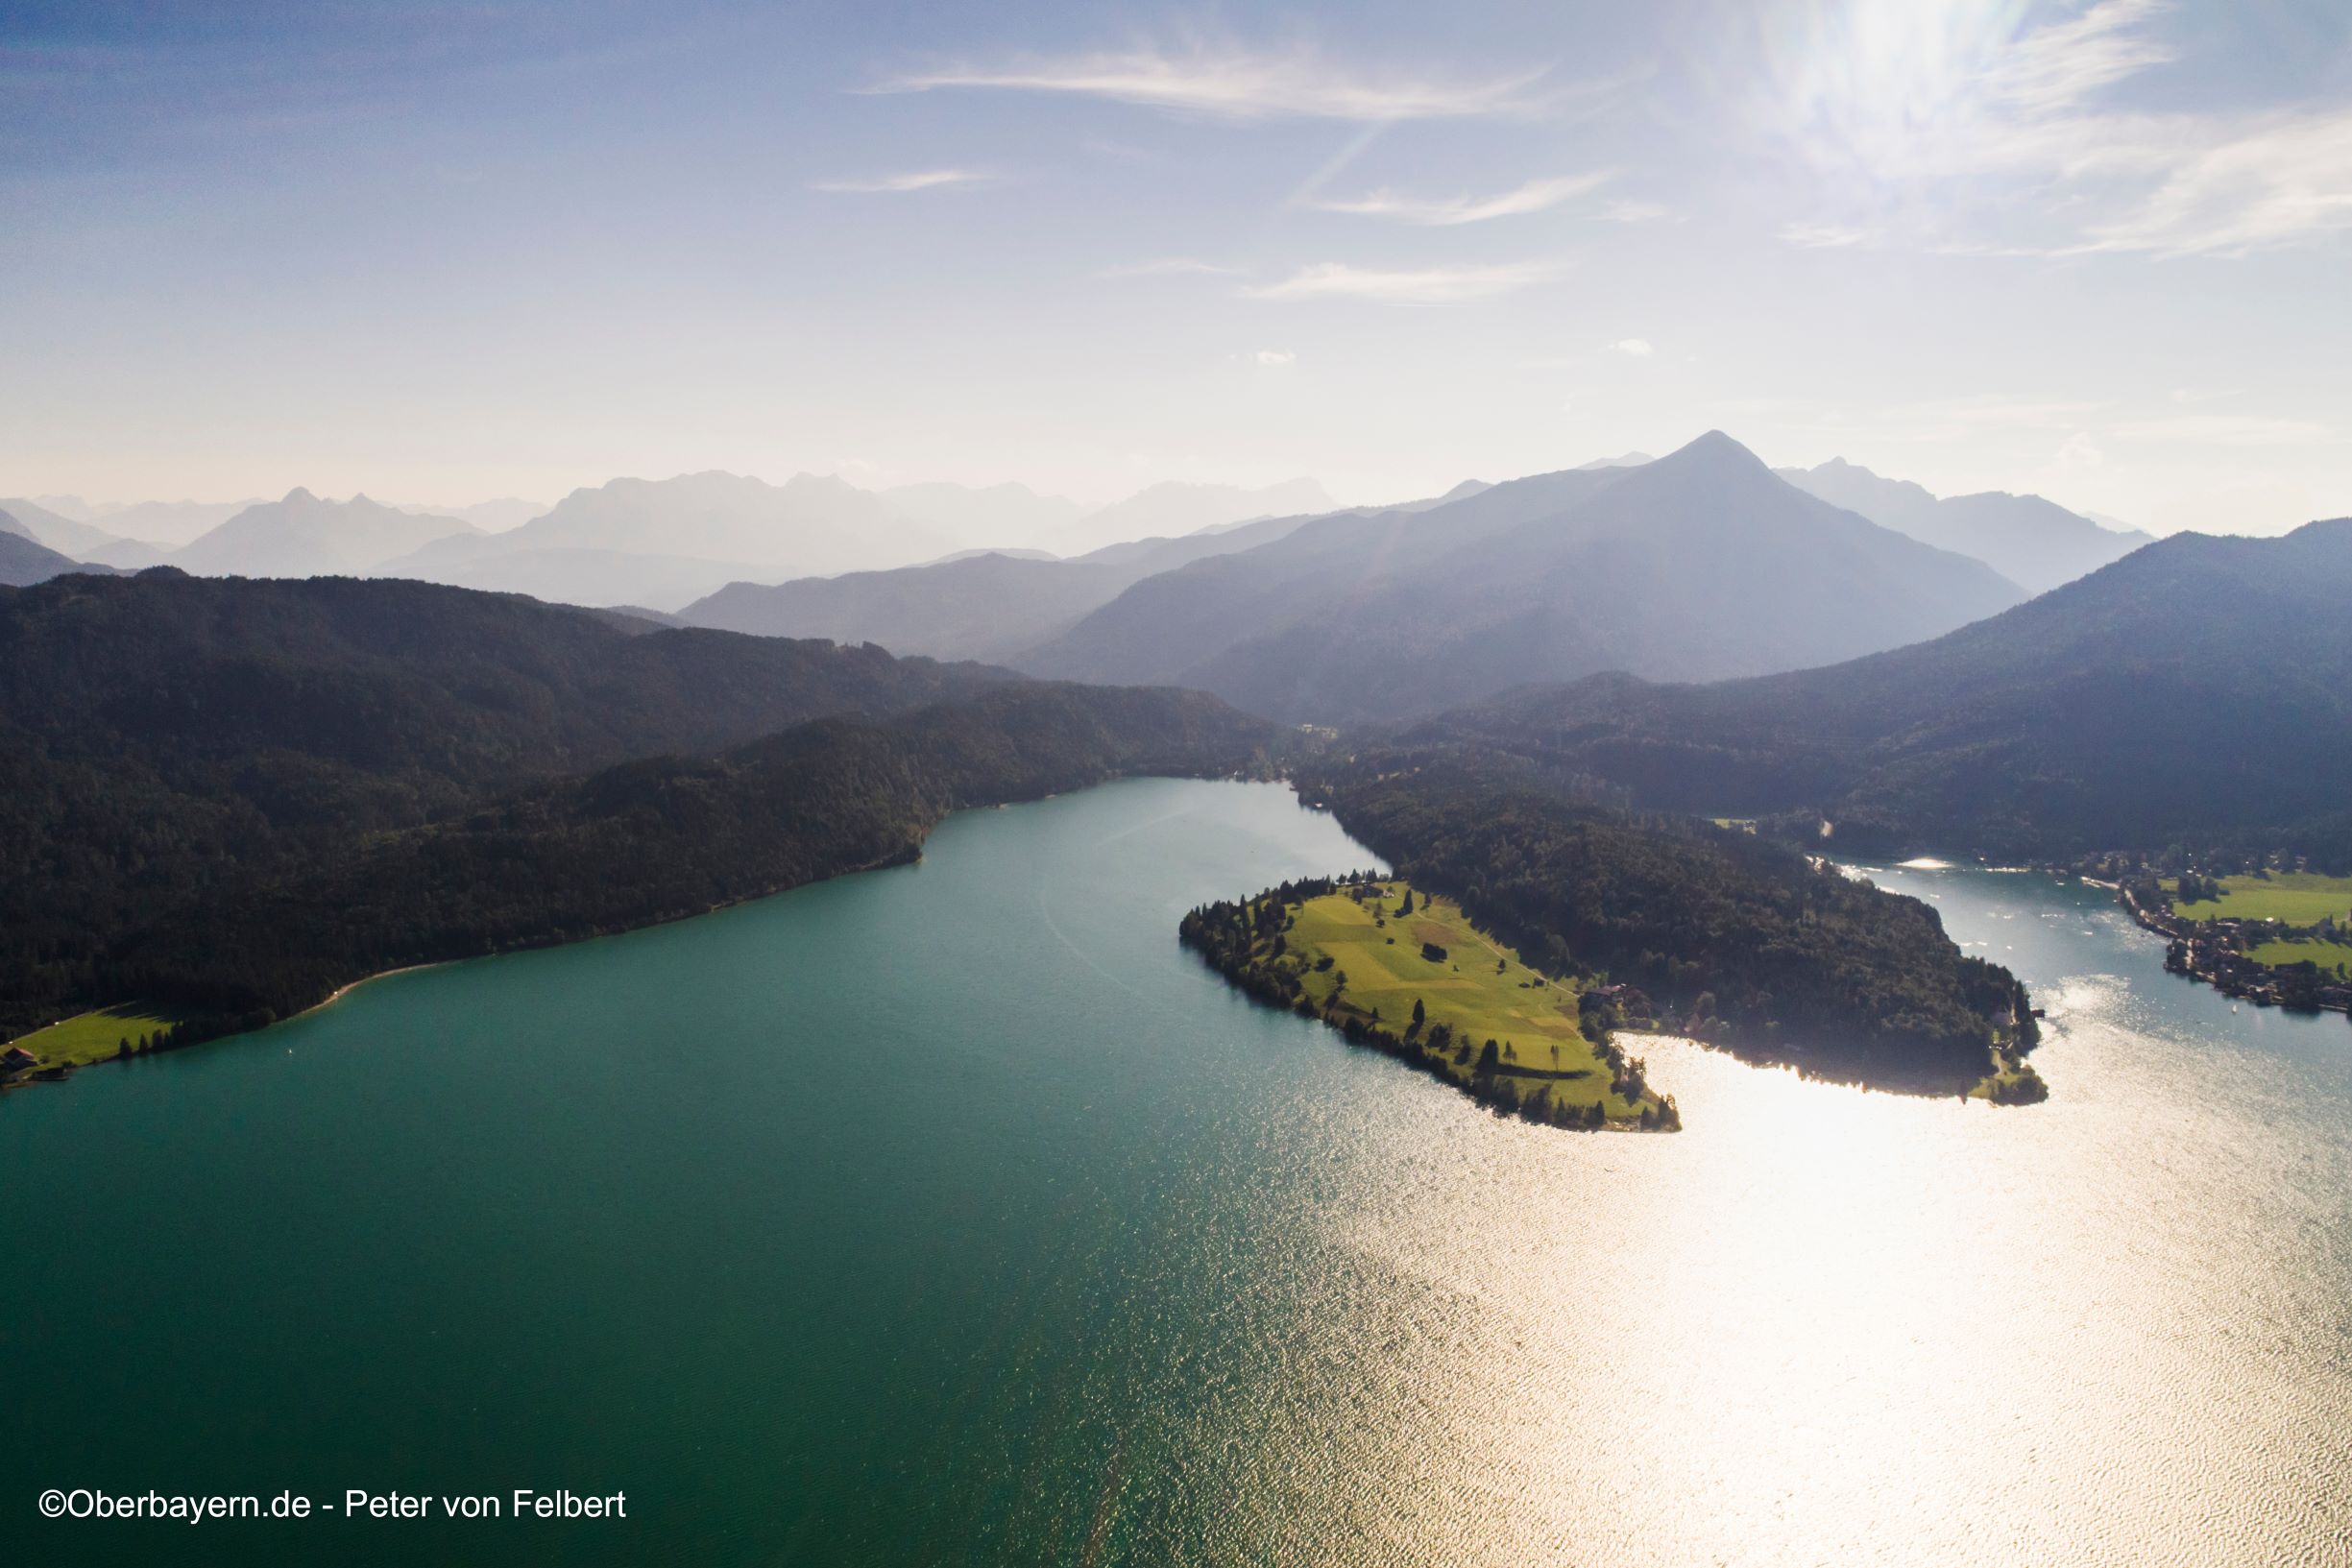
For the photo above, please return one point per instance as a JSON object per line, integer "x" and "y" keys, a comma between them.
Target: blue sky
{"x": 439, "y": 252}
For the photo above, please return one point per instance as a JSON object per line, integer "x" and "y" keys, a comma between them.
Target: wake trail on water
{"x": 1052, "y": 925}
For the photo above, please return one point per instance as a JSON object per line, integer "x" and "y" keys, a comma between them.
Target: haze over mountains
{"x": 635, "y": 541}
{"x": 1702, "y": 565}
{"x": 2196, "y": 691}
{"x": 988, "y": 606}
{"x": 2034, "y": 543}
{"x": 305, "y": 536}
{"x": 24, "y": 559}
{"x": 1698, "y": 566}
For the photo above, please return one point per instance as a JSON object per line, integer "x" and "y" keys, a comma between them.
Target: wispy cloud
{"x": 1275, "y": 358}
{"x": 1535, "y": 196}
{"x": 1948, "y": 115}
{"x": 1634, "y": 347}
{"x": 1446, "y": 285}
{"x": 2263, "y": 187}
{"x": 900, "y": 184}
{"x": 1235, "y": 83}
{"x": 1175, "y": 266}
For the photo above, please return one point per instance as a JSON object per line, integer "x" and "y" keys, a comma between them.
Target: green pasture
{"x": 96, "y": 1036}
{"x": 1479, "y": 989}
{"x": 2299, "y": 898}
{"x": 2333, "y": 956}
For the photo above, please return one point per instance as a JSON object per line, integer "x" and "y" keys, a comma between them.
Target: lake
{"x": 951, "y": 1213}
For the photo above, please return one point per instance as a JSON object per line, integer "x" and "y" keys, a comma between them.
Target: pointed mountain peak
{"x": 299, "y": 497}
{"x": 1713, "y": 453}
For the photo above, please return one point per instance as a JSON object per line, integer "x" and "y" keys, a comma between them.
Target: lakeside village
{"x": 2240, "y": 955}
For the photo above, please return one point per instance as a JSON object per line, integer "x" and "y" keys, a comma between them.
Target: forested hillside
{"x": 656, "y": 839}
{"x": 164, "y": 737}
{"x": 2197, "y": 693}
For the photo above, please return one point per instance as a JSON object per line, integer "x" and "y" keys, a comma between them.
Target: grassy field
{"x": 93, "y": 1037}
{"x": 1478, "y": 989}
{"x": 2328, "y": 956}
{"x": 2299, "y": 898}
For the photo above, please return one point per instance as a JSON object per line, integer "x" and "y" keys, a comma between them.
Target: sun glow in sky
{"x": 443, "y": 251}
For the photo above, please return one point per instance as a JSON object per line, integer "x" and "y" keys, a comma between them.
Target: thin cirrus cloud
{"x": 1244, "y": 85}
{"x": 901, "y": 184}
{"x": 1442, "y": 285}
{"x": 1535, "y": 196}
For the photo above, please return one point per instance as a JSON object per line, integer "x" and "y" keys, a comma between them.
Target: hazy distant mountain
{"x": 809, "y": 525}
{"x": 1461, "y": 492}
{"x": 69, "y": 535}
{"x": 1168, "y": 509}
{"x": 1624, "y": 460}
{"x": 984, "y": 518}
{"x": 128, "y": 554}
{"x": 60, "y": 531}
{"x": 1695, "y": 566}
{"x": 25, "y": 560}
{"x": 2197, "y": 692}
{"x": 167, "y": 523}
{"x": 490, "y": 517}
{"x": 666, "y": 541}
{"x": 305, "y": 536}
{"x": 983, "y": 606}
{"x": 72, "y": 507}
{"x": 564, "y": 575}
{"x": 2034, "y": 543}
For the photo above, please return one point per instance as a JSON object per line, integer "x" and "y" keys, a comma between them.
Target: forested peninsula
{"x": 1735, "y": 940}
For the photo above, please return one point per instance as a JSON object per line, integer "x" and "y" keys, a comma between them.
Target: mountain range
{"x": 2198, "y": 693}
{"x": 305, "y": 536}
{"x": 660, "y": 542}
{"x": 989, "y": 606}
{"x": 714, "y": 536}
{"x": 24, "y": 559}
{"x": 1699, "y": 565}
{"x": 2036, "y": 543}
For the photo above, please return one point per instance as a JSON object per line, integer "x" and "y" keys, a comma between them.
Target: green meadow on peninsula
{"x": 1407, "y": 973}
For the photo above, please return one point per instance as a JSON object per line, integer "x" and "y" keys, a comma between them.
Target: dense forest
{"x": 234, "y": 795}
{"x": 2196, "y": 695}
{"x": 1742, "y": 941}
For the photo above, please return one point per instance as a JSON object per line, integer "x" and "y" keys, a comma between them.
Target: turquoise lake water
{"x": 954, "y": 1215}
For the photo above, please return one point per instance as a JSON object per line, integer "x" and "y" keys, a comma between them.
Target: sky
{"x": 439, "y": 253}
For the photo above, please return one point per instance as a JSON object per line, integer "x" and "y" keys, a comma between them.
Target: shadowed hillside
{"x": 2197, "y": 691}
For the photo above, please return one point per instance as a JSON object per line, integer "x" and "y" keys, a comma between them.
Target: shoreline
{"x": 2195, "y": 957}
{"x": 911, "y": 856}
